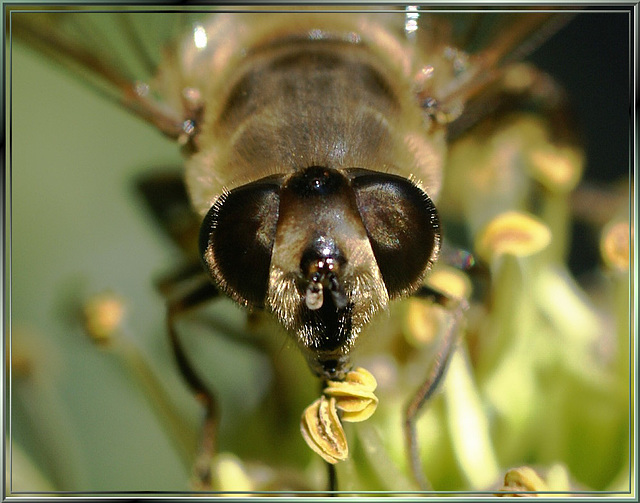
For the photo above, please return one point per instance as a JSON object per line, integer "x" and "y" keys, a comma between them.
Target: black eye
{"x": 402, "y": 225}
{"x": 236, "y": 240}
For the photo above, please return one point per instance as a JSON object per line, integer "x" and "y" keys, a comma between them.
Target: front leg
{"x": 199, "y": 293}
{"x": 422, "y": 396}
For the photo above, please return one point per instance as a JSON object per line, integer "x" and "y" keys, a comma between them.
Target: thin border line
{"x": 463, "y": 10}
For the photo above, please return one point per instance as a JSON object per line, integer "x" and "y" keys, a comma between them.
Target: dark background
{"x": 598, "y": 83}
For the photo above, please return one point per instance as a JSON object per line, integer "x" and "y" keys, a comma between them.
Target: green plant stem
{"x": 181, "y": 434}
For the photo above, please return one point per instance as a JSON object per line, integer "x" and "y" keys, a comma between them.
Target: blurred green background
{"x": 77, "y": 229}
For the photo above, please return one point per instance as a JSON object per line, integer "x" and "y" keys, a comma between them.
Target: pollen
{"x": 354, "y": 396}
{"x": 351, "y": 400}
{"x": 322, "y": 430}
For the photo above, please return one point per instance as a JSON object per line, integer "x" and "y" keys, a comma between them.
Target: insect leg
{"x": 430, "y": 385}
{"x": 202, "y": 292}
{"x": 166, "y": 200}
{"x": 525, "y": 33}
{"x": 186, "y": 288}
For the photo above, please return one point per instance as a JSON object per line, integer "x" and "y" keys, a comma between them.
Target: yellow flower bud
{"x": 614, "y": 245}
{"x": 514, "y": 233}
{"x": 103, "y": 314}
{"x": 522, "y": 479}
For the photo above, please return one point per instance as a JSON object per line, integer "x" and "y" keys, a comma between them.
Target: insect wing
{"x": 117, "y": 51}
{"x": 114, "y": 51}
{"x": 480, "y": 46}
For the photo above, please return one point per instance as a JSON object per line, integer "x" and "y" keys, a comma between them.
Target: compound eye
{"x": 402, "y": 225}
{"x": 236, "y": 240}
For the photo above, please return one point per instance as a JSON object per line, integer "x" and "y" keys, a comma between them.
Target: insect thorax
{"x": 308, "y": 90}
